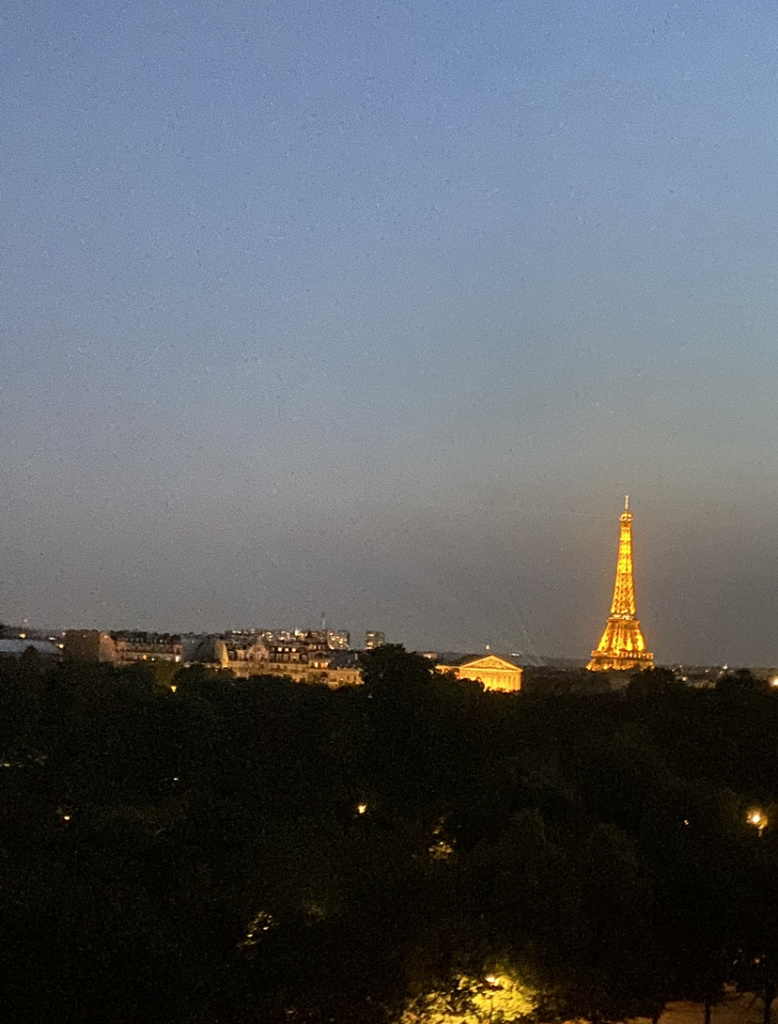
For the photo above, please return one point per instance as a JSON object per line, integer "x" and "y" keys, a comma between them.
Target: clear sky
{"x": 380, "y": 308}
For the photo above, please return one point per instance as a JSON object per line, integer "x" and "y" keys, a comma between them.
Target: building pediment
{"x": 490, "y": 662}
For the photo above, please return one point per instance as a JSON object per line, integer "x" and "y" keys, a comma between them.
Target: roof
{"x": 16, "y": 648}
{"x": 458, "y": 660}
{"x": 211, "y": 650}
{"x": 489, "y": 661}
{"x": 344, "y": 660}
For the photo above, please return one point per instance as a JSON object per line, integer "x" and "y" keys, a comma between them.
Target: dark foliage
{"x": 245, "y": 851}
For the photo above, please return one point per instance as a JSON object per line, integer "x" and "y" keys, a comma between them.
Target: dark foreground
{"x": 260, "y": 851}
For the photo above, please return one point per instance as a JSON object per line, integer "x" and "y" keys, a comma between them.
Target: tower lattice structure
{"x": 622, "y": 645}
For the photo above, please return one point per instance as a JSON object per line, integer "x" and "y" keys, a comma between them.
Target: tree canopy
{"x": 260, "y": 850}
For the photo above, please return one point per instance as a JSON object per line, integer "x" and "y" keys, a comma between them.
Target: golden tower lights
{"x": 622, "y": 645}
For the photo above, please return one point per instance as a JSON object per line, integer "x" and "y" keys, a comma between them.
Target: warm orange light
{"x": 757, "y": 818}
{"x": 622, "y": 645}
{"x": 361, "y": 808}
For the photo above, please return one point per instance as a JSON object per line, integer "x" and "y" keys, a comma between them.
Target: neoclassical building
{"x": 494, "y": 672}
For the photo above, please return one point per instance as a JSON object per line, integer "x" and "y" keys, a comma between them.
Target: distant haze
{"x": 380, "y": 309}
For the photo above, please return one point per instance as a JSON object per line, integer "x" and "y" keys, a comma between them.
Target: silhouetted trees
{"x": 245, "y": 850}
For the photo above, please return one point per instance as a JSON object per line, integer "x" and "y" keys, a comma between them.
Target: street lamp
{"x": 757, "y": 818}
{"x": 493, "y": 983}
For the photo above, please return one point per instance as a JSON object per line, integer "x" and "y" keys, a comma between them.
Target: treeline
{"x": 262, "y": 851}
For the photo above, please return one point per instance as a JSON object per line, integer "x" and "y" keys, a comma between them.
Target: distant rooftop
{"x": 17, "y": 647}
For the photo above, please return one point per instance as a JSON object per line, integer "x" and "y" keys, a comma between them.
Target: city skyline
{"x": 381, "y": 310}
{"x": 623, "y": 605}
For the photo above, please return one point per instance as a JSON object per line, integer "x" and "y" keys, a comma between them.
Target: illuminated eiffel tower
{"x": 622, "y": 645}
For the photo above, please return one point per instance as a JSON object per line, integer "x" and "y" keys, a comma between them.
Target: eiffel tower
{"x": 622, "y": 645}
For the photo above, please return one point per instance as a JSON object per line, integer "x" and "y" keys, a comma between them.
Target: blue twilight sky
{"x": 379, "y": 309}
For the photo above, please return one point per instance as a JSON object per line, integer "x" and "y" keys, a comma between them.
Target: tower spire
{"x": 622, "y": 645}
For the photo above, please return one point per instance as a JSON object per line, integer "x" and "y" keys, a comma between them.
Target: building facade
{"x": 491, "y": 670}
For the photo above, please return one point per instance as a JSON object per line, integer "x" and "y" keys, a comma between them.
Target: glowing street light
{"x": 757, "y": 818}
{"x": 495, "y": 985}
